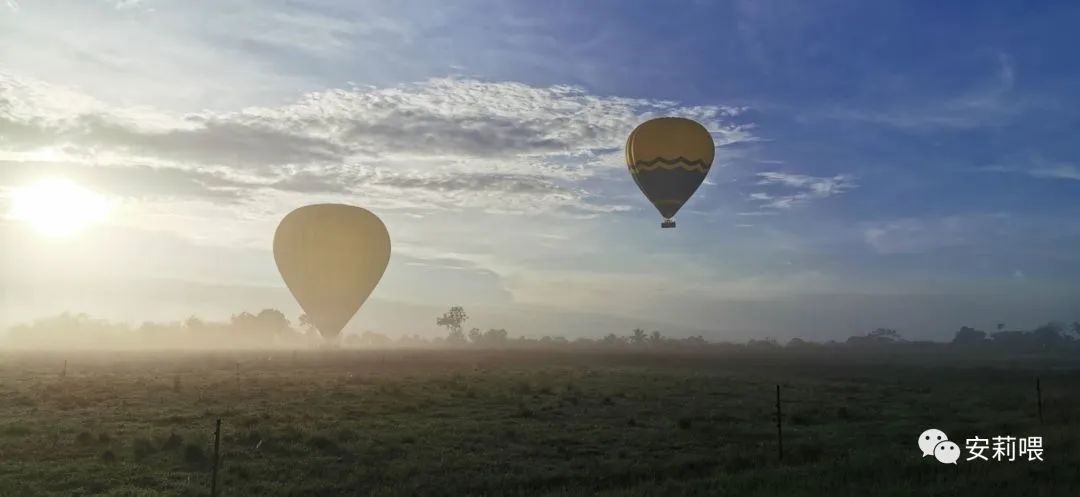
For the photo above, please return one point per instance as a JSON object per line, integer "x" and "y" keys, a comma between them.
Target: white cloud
{"x": 1060, "y": 171}
{"x": 914, "y": 235}
{"x": 1040, "y": 169}
{"x": 799, "y": 188}
{"x": 443, "y": 143}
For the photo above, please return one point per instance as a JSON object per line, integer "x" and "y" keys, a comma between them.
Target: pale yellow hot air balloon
{"x": 331, "y": 257}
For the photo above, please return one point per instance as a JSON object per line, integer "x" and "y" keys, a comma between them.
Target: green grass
{"x": 525, "y": 423}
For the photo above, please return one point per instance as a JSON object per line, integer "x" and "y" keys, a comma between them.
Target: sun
{"x": 58, "y": 207}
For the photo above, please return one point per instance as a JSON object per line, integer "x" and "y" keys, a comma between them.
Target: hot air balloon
{"x": 331, "y": 257}
{"x": 669, "y": 158}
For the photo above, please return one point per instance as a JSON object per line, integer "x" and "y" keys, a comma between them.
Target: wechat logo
{"x": 934, "y": 442}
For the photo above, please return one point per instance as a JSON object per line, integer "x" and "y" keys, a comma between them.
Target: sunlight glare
{"x": 58, "y": 207}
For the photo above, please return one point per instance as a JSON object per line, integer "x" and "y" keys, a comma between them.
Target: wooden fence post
{"x": 779, "y": 430}
{"x": 217, "y": 445}
{"x": 1038, "y": 396}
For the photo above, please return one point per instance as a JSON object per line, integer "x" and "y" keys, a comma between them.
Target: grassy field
{"x": 444, "y": 423}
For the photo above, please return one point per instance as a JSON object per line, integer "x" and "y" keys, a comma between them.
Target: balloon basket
{"x": 668, "y": 223}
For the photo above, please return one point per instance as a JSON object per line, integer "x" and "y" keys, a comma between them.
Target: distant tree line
{"x": 1048, "y": 336}
{"x": 268, "y": 327}
{"x": 271, "y": 328}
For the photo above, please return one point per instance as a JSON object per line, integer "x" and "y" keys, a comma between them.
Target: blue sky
{"x": 902, "y": 164}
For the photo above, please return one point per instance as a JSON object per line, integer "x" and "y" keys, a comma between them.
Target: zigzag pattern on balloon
{"x": 670, "y": 164}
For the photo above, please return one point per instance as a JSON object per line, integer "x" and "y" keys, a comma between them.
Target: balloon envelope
{"x": 331, "y": 257}
{"x": 668, "y": 158}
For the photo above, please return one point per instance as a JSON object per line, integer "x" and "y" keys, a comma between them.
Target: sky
{"x": 911, "y": 165}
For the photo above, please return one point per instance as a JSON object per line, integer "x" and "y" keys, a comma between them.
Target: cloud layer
{"x": 795, "y": 189}
{"x": 464, "y": 139}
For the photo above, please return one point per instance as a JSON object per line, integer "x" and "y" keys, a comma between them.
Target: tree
{"x": 243, "y": 324}
{"x": 656, "y": 338}
{"x": 261, "y": 328}
{"x": 373, "y": 339}
{"x": 969, "y": 336}
{"x": 639, "y": 336}
{"x": 695, "y": 341}
{"x": 1048, "y": 334}
{"x": 767, "y": 343}
{"x": 194, "y": 324}
{"x": 611, "y": 339}
{"x": 495, "y": 337}
{"x": 1000, "y": 326}
{"x": 796, "y": 343}
{"x": 880, "y": 336}
{"x": 305, "y": 324}
{"x": 886, "y": 334}
{"x": 475, "y": 337}
{"x": 1012, "y": 340}
{"x": 452, "y": 320}
{"x": 273, "y": 322}
{"x": 456, "y": 337}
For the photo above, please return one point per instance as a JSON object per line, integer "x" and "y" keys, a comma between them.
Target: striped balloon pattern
{"x": 668, "y": 158}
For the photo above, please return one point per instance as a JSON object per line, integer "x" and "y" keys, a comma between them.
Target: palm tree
{"x": 639, "y": 336}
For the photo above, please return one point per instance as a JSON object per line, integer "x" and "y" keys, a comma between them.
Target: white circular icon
{"x": 947, "y": 452}
{"x": 929, "y": 439}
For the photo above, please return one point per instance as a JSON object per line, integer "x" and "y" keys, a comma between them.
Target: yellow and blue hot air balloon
{"x": 669, "y": 157}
